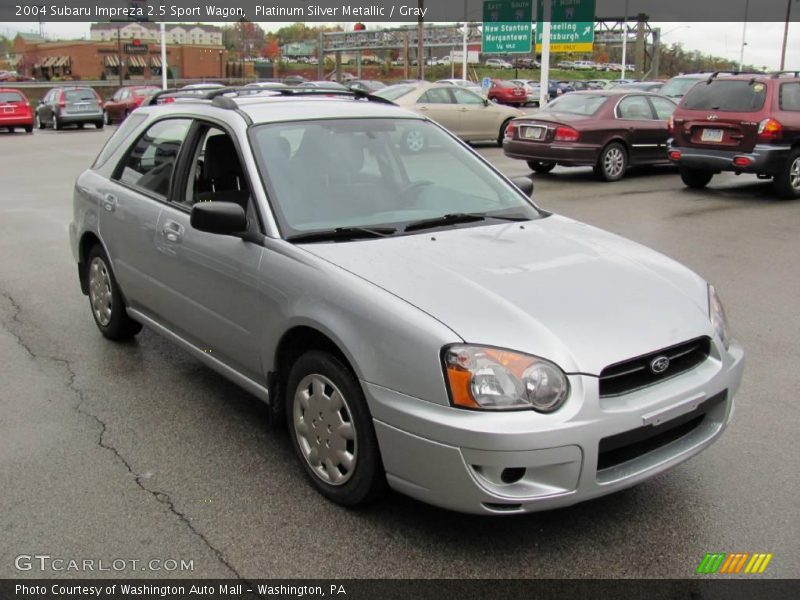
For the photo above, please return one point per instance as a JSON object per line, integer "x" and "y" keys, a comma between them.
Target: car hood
{"x": 555, "y": 288}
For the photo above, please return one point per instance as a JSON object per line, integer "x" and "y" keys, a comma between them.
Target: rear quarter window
{"x": 790, "y": 96}
{"x": 727, "y": 96}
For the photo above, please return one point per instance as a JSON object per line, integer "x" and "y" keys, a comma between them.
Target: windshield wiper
{"x": 342, "y": 233}
{"x": 457, "y": 218}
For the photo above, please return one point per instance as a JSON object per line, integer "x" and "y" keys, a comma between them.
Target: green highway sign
{"x": 507, "y": 26}
{"x": 571, "y": 26}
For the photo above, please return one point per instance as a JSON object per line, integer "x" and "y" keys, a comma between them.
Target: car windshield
{"x": 79, "y": 95}
{"x": 10, "y": 97}
{"x": 727, "y": 96}
{"x": 678, "y": 86}
{"x": 322, "y": 175}
{"x": 393, "y": 92}
{"x": 579, "y": 104}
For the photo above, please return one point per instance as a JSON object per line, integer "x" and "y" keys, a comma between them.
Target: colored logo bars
{"x": 738, "y": 562}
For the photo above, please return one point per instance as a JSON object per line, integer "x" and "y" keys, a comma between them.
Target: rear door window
{"x": 436, "y": 96}
{"x": 727, "y": 96}
{"x": 634, "y": 108}
{"x": 790, "y": 96}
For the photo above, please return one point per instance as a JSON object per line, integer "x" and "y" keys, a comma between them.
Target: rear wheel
{"x": 541, "y": 166}
{"x": 28, "y": 128}
{"x": 696, "y": 179}
{"x": 501, "y": 136}
{"x": 787, "y": 182}
{"x": 57, "y": 123}
{"x": 612, "y": 163}
{"x": 98, "y": 124}
{"x": 105, "y": 298}
{"x": 331, "y": 430}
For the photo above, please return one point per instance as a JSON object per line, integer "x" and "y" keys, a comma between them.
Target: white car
{"x": 498, "y": 63}
{"x": 584, "y": 65}
{"x": 465, "y": 83}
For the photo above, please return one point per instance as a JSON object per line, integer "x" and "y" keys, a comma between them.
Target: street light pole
{"x": 744, "y": 35}
{"x": 119, "y": 55}
{"x": 624, "y": 41}
{"x": 786, "y": 33}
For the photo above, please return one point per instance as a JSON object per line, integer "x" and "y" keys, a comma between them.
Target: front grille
{"x": 624, "y": 447}
{"x": 636, "y": 373}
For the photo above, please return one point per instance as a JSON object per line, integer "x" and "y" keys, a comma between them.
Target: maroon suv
{"x": 747, "y": 123}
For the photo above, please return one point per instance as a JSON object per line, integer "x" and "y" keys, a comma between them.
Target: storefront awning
{"x": 111, "y": 61}
{"x": 136, "y": 62}
{"x": 55, "y": 62}
{"x": 155, "y": 61}
{"x": 48, "y": 62}
{"x": 62, "y": 61}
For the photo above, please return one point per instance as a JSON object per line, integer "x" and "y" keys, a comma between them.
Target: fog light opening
{"x": 675, "y": 155}
{"x": 512, "y": 475}
{"x": 741, "y": 161}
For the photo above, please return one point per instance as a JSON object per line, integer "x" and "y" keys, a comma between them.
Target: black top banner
{"x": 332, "y": 11}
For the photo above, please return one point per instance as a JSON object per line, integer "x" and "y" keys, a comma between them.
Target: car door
{"x": 212, "y": 280}
{"x": 642, "y": 132}
{"x": 45, "y": 110}
{"x": 663, "y": 109}
{"x": 477, "y": 121}
{"x": 132, "y": 200}
{"x": 437, "y": 103}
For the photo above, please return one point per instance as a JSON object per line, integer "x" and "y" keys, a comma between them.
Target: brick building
{"x": 180, "y": 33}
{"x": 92, "y": 60}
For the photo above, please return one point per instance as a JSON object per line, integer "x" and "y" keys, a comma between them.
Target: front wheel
{"x": 57, "y": 123}
{"x": 501, "y": 136}
{"x": 541, "y": 166}
{"x": 613, "y": 162}
{"x": 696, "y": 179}
{"x": 39, "y": 123}
{"x": 98, "y": 124}
{"x": 787, "y": 182}
{"x": 331, "y": 430}
{"x": 105, "y": 299}
{"x": 106, "y": 118}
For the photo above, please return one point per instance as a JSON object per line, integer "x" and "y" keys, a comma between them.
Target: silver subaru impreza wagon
{"x": 415, "y": 318}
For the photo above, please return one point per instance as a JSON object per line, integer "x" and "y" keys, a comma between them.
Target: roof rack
{"x": 219, "y": 97}
{"x": 777, "y": 74}
{"x": 715, "y": 74}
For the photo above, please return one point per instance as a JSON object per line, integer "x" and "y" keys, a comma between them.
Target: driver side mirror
{"x": 525, "y": 185}
{"x": 222, "y": 218}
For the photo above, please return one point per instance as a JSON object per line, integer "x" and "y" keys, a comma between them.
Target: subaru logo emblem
{"x": 659, "y": 365}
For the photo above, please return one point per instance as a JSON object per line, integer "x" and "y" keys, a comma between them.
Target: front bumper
{"x": 522, "y": 461}
{"x": 764, "y": 159}
{"x": 563, "y": 153}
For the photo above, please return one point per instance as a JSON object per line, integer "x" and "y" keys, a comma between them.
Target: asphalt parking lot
{"x": 136, "y": 451}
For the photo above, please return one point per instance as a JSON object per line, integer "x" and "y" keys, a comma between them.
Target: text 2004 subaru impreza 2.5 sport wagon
{"x": 416, "y": 318}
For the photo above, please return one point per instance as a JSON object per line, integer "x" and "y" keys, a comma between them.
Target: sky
{"x": 720, "y": 39}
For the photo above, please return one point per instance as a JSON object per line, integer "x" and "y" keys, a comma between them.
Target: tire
{"x": 39, "y": 123}
{"x": 105, "y": 299}
{"x": 98, "y": 124}
{"x": 696, "y": 179}
{"x": 787, "y": 182}
{"x": 10, "y": 129}
{"x": 541, "y": 166}
{"x": 28, "y": 128}
{"x": 106, "y": 118}
{"x": 56, "y": 123}
{"x": 81, "y": 125}
{"x": 340, "y": 429}
{"x": 613, "y": 162}
{"x": 502, "y": 134}
{"x": 414, "y": 141}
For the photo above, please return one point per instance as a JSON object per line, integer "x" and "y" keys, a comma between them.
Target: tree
{"x": 271, "y": 49}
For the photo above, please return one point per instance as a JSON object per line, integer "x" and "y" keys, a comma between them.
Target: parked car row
{"x": 741, "y": 123}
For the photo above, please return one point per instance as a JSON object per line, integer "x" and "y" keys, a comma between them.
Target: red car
{"x": 15, "y": 110}
{"x": 748, "y": 123}
{"x": 609, "y": 130}
{"x": 506, "y": 92}
{"x": 125, "y": 101}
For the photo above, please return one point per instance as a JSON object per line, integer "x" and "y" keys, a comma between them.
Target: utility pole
{"x": 744, "y": 35}
{"x": 119, "y": 55}
{"x": 624, "y": 42}
{"x": 464, "y": 45}
{"x": 420, "y": 41}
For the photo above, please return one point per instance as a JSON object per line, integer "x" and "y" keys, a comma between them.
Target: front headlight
{"x": 718, "y": 318}
{"x": 495, "y": 379}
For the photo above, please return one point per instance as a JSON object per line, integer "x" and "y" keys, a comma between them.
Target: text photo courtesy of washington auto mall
{"x": 399, "y": 299}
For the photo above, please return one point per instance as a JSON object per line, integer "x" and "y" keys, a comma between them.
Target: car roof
{"x": 274, "y": 109}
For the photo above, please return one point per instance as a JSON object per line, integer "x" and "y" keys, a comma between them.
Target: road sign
{"x": 507, "y": 26}
{"x": 572, "y": 26}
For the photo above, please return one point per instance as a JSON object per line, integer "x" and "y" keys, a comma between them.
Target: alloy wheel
{"x": 794, "y": 174}
{"x": 613, "y": 162}
{"x": 100, "y": 293}
{"x": 325, "y": 430}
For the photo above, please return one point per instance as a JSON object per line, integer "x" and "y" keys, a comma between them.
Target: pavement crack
{"x": 15, "y": 322}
